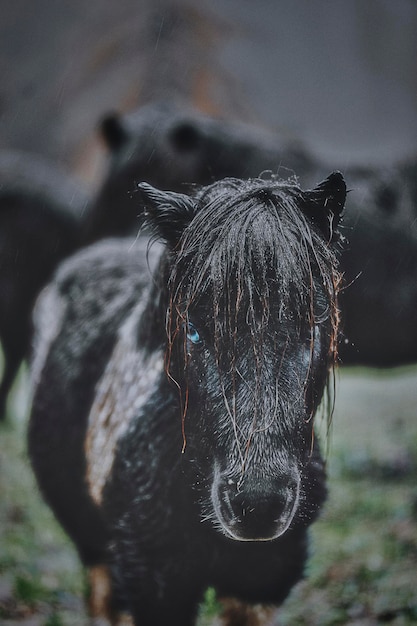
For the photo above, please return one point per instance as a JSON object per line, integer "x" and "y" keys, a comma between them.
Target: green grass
{"x": 39, "y": 570}
{"x": 363, "y": 565}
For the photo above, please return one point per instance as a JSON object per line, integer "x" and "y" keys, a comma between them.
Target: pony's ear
{"x": 113, "y": 131}
{"x": 167, "y": 212}
{"x": 325, "y": 203}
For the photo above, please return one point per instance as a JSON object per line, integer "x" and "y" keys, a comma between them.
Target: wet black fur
{"x": 253, "y": 265}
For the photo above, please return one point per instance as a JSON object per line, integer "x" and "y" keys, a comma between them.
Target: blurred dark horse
{"x": 41, "y": 209}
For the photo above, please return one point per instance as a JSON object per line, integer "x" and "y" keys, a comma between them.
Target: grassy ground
{"x": 363, "y": 568}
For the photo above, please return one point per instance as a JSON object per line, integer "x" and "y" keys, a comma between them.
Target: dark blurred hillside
{"x": 339, "y": 75}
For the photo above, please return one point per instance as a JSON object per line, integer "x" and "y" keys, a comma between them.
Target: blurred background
{"x": 339, "y": 75}
{"x": 341, "y": 78}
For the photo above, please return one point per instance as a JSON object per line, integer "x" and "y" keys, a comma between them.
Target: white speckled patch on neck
{"x": 129, "y": 380}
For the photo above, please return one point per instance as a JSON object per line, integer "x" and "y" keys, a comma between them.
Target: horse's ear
{"x": 167, "y": 212}
{"x": 113, "y": 131}
{"x": 325, "y": 203}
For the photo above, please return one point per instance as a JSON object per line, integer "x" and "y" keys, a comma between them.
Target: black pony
{"x": 172, "y": 423}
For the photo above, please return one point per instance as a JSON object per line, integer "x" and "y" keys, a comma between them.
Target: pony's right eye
{"x": 192, "y": 334}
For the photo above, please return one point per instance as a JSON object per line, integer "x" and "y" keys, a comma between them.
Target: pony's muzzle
{"x": 256, "y": 513}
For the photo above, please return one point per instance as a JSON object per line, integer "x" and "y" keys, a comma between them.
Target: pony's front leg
{"x": 101, "y": 601}
{"x": 169, "y": 602}
{"x": 163, "y": 615}
{"x": 237, "y": 613}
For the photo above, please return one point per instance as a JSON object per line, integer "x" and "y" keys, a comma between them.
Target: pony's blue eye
{"x": 192, "y": 334}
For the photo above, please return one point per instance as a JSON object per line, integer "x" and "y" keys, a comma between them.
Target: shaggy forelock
{"x": 247, "y": 239}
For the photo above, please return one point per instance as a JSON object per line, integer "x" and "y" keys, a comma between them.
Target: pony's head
{"x": 252, "y": 323}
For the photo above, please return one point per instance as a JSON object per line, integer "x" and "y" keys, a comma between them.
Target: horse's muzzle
{"x": 256, "y": 511}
